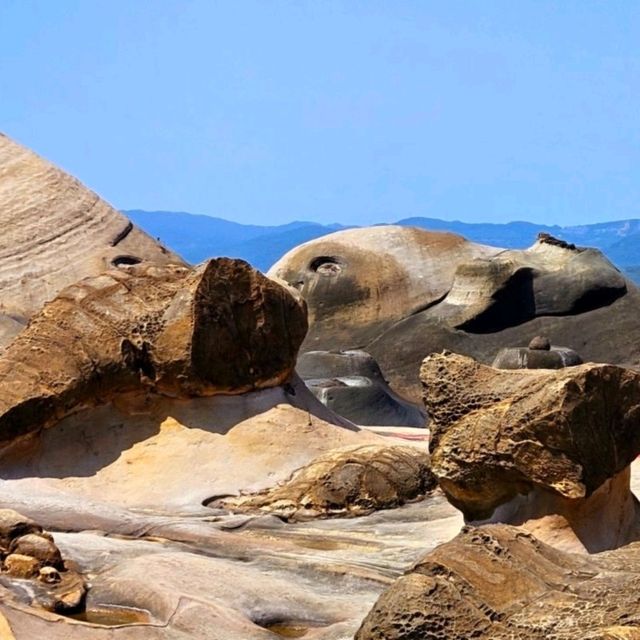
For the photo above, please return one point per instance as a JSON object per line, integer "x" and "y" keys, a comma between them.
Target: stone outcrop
{"x": 221, "y": 328}
{"x": 351, "y": 384}
{"x": 496, "y": 582}
{"x": 29, "y": 553}
{"x": 400, "y": 293}
{"x": 345, "y": 482}
{"x": 562, "y": 438}
{"x": 55, "y": 232}
{"x": 536, "y": 357}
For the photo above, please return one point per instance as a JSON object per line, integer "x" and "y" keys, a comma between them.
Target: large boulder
{"x": 563, "y": 439}
{"x": 55, "y": 232}
{"x": 496, "y": 582}
{"x": 221, "y": 328}
{"x": 400, "y": 293}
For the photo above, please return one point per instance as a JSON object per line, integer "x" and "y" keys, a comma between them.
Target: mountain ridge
{"x": 199, "y": 236}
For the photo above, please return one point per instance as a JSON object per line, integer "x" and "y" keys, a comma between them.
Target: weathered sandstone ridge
{"x": 400, "y": 293}
{"x": 546, "y": 448}
{"x": 55, "y": 232}
{"x": 221, "y": 328}
{"x": 496, "y": 582}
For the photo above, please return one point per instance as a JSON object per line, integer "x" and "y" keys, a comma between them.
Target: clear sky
{"x": 268, "y": 111}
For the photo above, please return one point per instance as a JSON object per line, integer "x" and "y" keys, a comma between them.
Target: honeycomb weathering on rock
{"x": 349, "y": 481}
{"x": 55, "y": 231}
{"x": 496, "y": 582}
{"x": 498, "y": 433}
{"x": 221, "y": 328}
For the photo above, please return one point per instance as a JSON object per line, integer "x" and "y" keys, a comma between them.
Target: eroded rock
{"x": 221, "y": 328}
{"x": 496, "y": 582}
{"x": 349, "y": 482}
{"x": 55, "y": 232}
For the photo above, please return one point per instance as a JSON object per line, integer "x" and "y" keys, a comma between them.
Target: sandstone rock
{"x": 547, "y": 450}
{"x": 14, "y": 525}
{"x": 39, "y": 547}
{"x": 536, "y": 358}
{"x": 221, "y": 328}
{"x": 497, "y": 583}
{"x": 401, "y": 293}
{"x": 49, "y": 575}
{"x": 54, "y": 233}
{"x": 346, "y": 482}
{"x": 540, "y": 343}
{"x": 19, "y": 565}
{"x": 351, "y": 384}
{"x": 498, "y": 433}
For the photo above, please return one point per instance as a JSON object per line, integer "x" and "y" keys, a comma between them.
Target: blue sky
{"x": 266, "y": 111}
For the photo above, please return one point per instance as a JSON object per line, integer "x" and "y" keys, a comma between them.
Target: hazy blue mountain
{"x": 197, "y": 237}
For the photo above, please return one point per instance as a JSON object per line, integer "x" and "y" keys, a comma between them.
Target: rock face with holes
{"x": 349, "y": 482}
{"x": 497, "y": 583}
{"x": 528, "y": 446}
{"x": 55, "y": 231}
{"x": 351, "y": 384}
{"x": 221, "y": 328}
{"x": 401, "y": 293}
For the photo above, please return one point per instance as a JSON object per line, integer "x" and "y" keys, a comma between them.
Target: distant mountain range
{"x": 197, "y": 237}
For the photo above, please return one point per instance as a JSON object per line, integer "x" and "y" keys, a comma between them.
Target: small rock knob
{"x": 540, "y": 343}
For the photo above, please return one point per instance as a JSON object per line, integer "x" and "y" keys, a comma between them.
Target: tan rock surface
{"x": 563, "y": 439}
{"x": 55, "y": 232}
{"x": 496, "y": 582}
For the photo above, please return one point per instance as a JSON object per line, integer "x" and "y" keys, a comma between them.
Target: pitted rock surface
{"x": 221, "y": 328}
{"x": 349, "y": 482}
{"x": 496, "y": 582}
{"x": 498, "y": 433}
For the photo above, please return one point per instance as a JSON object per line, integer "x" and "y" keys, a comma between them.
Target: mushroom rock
{"x": 55, "y": 232}
{"x": 351, "y": 384}
{"x": 540, "y": 354}
{"x": 400, "y": 293}
{"x": 496, "y": 582}
{"x": 351, "y": 481}
{"x": 221, "y": 328}
{"x": 548, "y": 449}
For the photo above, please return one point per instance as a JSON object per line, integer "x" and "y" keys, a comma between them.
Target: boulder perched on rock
{"x": 400, "y": 293}
{"x": 221, "y": 328}
{"x": 55, "y": 232}
{"x": 350, "y": 481}
{"x": 496, "y": 582}
{"x": 552, "y": 357}
{"x": 351, "y": 384}
{"x": 553, "y": 435}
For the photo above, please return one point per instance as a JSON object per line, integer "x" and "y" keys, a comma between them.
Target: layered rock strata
{"x": 55, "y": 232}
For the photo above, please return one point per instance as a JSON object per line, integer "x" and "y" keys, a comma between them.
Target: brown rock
{"x": 19, "y": 565}
{"x": 13, "y": 525}
{"x": 540, "y": 343}
{"x": 346, "y": 482}
{"x": 221, "y": 328}
{"x": 39, "y": 547}
{"x": 497, "y": 583}
{"x": 499, "y": 433}
{"x": 55, "y": 232}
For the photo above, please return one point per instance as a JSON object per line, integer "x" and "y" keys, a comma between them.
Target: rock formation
{"x": 540, "y": 354}
{"x": 54, "y": 233}
{"x": 222, "y": 328}
{"x": 552, "y": 444}
{"x": 351, "y": 384}
{"x": 30, "y": 554}
{"x": 496, "y": 582}
{"x": 351, "y": 481}
{"x": 400, "y": 293}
